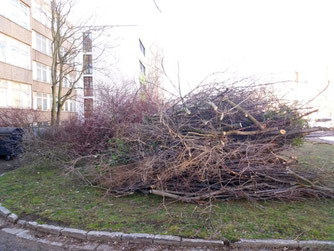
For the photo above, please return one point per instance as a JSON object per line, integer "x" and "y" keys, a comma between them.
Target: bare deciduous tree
{"x": 68, "y": 42}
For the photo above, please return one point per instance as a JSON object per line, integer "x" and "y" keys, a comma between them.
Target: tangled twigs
{"x": 247, "y": 114}
{"x": 226, "y": 144}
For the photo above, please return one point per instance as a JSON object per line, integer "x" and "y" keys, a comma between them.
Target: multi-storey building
{"x": 126, "y": 59}
{"x": 131, "y": 53}
{"x": 25, "y": 59}
{"x": 88, "y": 94}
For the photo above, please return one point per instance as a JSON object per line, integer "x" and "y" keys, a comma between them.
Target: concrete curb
{"x": 104, "y": 236}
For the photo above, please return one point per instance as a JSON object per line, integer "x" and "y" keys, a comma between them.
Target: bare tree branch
{"x": 156, "y": 5}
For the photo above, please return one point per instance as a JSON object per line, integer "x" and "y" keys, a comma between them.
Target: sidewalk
{"x": 321, "y": 137}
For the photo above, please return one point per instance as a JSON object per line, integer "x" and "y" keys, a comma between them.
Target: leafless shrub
{"x": 14, "y": 117}
{"x": 118, "y": 108}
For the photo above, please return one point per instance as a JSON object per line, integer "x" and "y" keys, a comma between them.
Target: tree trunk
{"x": 58, "y": 117}
{"x": 54, "y": 107}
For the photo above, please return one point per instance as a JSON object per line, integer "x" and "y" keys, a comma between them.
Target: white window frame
{"x": 14, "y": 52}
{"x": 15, "y": 90}
{"x": 41, "y": 13}
{"x": 41, "y": 72}
{"x": 68, "y": 81}
{"x": 41, "y": 43}
{"x": 16, "y": 11}
{"x": 42, "y": 101}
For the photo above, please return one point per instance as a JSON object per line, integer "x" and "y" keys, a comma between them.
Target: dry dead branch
{"x": 227, "y": 144}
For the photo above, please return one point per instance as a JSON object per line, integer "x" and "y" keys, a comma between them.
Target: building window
{"x": 68, "y": 81}
{"x": 62, "y": 51}
{"x": 66, "y": 106}
{"x": 51, "y": 101}
{"x": 14, "y": 52}
{"x": 16, "y": 11}
{"x": 21, "y": 95}
{"x": 88, "y": 104}
{"x": 41, "y": 43}
{"x": 88, "y": 64}
{"x": 69, "y": 106}
{"x": 4, "y": 93}
{"x": 13, "y": 94}
{"x": 87, "y": 42}
{"x": 88, "y": 107}
{"x": 142, "y": 68}
{"x": 141, "y": 46}
{"x": 42, "y": 101}
{"x": 72, "y": 106}
{"x": 41, "y": 72}
{"x": 88, "y": 86}
{"x": 41, "y": 12}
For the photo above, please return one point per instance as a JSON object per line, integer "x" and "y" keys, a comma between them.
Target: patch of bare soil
{"x": 9, "y": 165}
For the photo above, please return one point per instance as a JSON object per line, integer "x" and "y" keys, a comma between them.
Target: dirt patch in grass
{"x": 49, "y": 197}
{"x": 9, "y": 165}
{"x": 34, "y": 217}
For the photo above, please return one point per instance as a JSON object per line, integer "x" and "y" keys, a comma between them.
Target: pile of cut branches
{"x": 219, "y": 142}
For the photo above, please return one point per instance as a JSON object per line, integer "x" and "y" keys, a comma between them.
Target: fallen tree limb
{"x": 247, "y": 114}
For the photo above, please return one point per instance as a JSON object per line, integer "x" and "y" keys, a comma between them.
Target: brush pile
{"x": 217, "y": 143}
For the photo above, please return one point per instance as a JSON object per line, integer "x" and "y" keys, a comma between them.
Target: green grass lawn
{"x": 43, "y": 194}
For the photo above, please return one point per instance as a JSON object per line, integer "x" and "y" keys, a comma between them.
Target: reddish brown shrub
{"x": 116, "y": 110}
{"x": 14, "y": 117}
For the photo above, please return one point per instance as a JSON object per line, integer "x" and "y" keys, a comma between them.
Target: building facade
{"x": 88, "y": 87}
{"x": 124, "y": 57}
{"x": 25, "y": 59}
{"x": 130, "y": 53}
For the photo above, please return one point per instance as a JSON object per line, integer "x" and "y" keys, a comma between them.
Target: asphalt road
{"x": 11, "y": 243}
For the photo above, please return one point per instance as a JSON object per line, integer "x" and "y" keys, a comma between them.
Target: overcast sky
{"x": 250, "y": 36}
